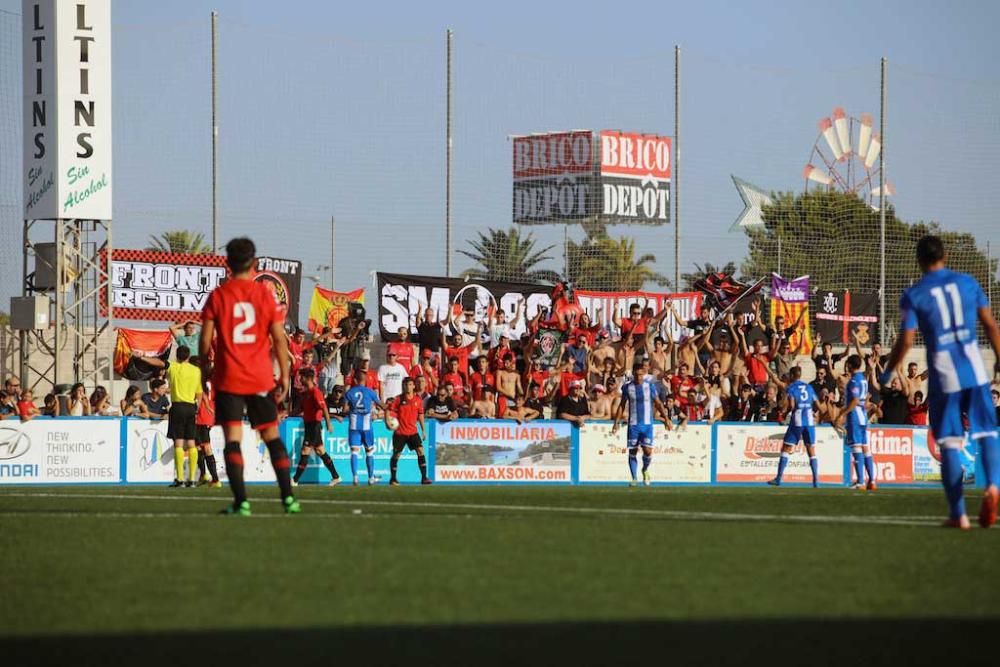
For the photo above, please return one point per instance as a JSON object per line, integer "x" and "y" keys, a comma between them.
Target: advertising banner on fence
{"x": 336, "y": 446}
{"x": 164, "y": 286}
{"x": 927, "y": 459}
{"x": 750, "y": 452}
{"x": 840, "y": 314}
{"x": 679, "y": 456}
{"x": 149, "y": 455}
{"x": 503, "y": 451}
{"x": 60, "y": 451}
{"x": 790, "y": 299}
{"x": 401, "y": 297}
{"x": 635, "y": 178}
{"x": 892, "y": 450}
{"x": 67, "y": 109}
{"x": 554, "y": 179}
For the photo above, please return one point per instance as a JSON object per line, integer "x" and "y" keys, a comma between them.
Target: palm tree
{"x": 689, "y": 279}
{"x": 180, "y": 241}
{"x": 506, "y": 255}
{"x": 610, "y": 264}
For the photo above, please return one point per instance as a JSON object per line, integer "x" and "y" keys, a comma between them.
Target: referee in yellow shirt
{"x": 185, "y": 392}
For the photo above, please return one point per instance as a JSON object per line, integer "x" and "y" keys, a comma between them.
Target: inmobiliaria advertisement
{"x": 750, "y": 453}
{"x": 503, "y": 451}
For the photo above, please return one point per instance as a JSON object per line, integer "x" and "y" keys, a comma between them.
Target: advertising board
{"x": 750, "y": 452}
{"x": 679, "y": 456}
{"x": 60, "y": 451}
{"x": 488, "y": 451}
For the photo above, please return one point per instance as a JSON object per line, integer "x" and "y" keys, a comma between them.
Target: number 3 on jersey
{"x": 243, "y": 310}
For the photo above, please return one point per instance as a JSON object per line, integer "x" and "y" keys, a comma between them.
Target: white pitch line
{"x": 683, "y": 515}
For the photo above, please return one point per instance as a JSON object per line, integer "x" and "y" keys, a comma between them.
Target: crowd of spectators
{"x": 728, "y": 370}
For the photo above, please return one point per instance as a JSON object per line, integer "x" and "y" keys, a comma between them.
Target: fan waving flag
{"x": 790, "y": 299}
{"x": 722, "y": 291}
{"x": 148, "y": 344}
{"x": 328, "y": 308}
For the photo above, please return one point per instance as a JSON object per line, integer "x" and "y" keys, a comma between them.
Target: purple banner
{"x": 795, "y": 290}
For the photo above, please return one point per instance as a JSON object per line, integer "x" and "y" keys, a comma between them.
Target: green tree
{"x": 180, "y": 241}
{"x": 834, "y": 237}
{"x": 600, "y": 262}
{"x": 4, "y": 318}
{"x": 506, "y": 255}
{"x": 700, "y": 271}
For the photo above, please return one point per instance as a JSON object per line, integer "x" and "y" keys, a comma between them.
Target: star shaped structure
{"x": 753, "y": 199}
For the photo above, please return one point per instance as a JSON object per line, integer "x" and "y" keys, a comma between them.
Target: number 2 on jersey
{"x": 956, "y": 305}
{"x": 243, "y": 310}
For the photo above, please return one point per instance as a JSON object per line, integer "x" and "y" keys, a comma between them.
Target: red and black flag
{"x": 841, "y": 313}
{"x": 149, "y": 344}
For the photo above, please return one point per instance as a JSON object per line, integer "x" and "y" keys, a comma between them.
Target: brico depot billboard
{"x": 610, "y": 176}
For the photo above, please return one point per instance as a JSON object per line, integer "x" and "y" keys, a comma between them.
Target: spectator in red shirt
{"x": 371, "y": 376}
{"x": 457, "y": 379}
{"x": 26, "y": 408}
{"x": 296, "y": 346}
{"x": 406, "y": 351}
{"x": 634, "y": 325}
{"x": 481, "y": 378}
{"x": 567, "y": 377}
{"x": 428, "y": 370}
{"x": 681, "y": 385}
{"x": 453, "y": 349}
{"x": 498, "y": 355}
{"x": 408, "y": 409}
{"x": 917, "y": 411}
{"x": 755, "y": 361}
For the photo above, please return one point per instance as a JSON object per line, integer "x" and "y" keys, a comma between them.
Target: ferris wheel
{"x": 845, "y": 157}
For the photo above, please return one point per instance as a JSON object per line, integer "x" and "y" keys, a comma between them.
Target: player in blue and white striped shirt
{"x": 946, "y": 306}
{"x": 643, "y": 401}
{"x": 801, "y": 398}
{"x": 855, "y": 422}
{"x": 360, "y": 400}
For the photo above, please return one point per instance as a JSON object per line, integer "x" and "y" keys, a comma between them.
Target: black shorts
{"x": 203, "y": 434}
{"x": 180, "y": 421}
{"x": 312, "y": 434}
{"x": 262, "y": 411}
{"x": 399, "y": 442}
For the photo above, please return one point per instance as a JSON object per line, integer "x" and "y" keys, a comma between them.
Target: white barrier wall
{"x": 60, "y": 451}
{"x": 679, "y": 456}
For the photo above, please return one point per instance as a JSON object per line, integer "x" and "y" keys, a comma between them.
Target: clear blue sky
{"x": 338, "y": 108}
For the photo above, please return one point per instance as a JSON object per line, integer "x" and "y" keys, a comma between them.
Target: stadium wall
{"x": 112, "y": 450}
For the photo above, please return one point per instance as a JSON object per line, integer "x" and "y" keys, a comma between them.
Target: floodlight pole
{"x": 215, "y": 134}
{"x": 881, "y": 211}
{"x": 447, "y": 180}
{"x": 333, "y": 252}
{"x": 677, "y": 167}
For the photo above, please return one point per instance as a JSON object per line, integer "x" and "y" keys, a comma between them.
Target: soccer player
{"x": 203, "y": 422}
{"x": 185, "y": 394}
{"x": 409, "y": 410}
{"x": 244, "y": 324}
{"x": 946, "y": 305}
{"x": 314, "y": 413}
{"x": 360, "y": 400}
{"x": 641, "y": 397}
{"x": 801, "y": 398}
{"x": 855, "y": 421}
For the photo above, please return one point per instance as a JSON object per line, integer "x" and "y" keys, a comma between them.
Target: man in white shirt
{"x": 390, "y": 376}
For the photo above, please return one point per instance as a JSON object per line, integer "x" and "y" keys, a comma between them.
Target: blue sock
{"x": 370, "y": 464}
{"x": 354, "y": 463}
{"x": 859, "y": 466}
{"x": 633, "y": 464}
{"x": 646, "y": 460}
{"x": 989, "y": 450}
{"x": 951, "y": 479}
{"x": 814, "y": 466}
{"x": 782, "y": 463}
{"x": 870, "y": 467}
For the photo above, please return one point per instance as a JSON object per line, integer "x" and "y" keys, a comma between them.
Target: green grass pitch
{"x": 490, "y": 575}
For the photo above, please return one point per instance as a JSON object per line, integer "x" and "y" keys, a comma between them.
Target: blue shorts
{"x": 857, "y": 433}
{"x": 945, "y": 414}
{"x": 361, "y": 438}
{"x": 640, "y": 436}
{"x": 806, "y": 434}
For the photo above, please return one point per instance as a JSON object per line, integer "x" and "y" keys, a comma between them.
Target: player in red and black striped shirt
{"x": 242, "y": 323}
{"x": 408, "y": 408}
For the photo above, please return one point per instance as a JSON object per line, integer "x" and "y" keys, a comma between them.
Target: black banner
{"x": 284, "y": 276}
{"x": 841, "y": 313}
{"x": 401, "y": 297}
